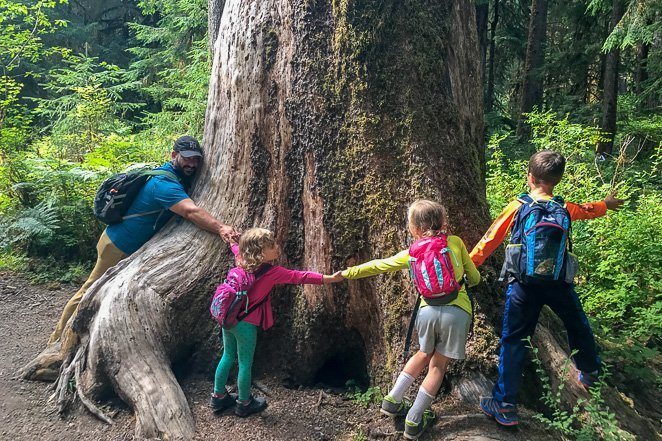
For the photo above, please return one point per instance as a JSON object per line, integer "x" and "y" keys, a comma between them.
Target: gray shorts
{"x": 443, "y": 328}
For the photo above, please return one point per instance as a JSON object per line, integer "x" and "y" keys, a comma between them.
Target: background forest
{"x": 91, "y": 88}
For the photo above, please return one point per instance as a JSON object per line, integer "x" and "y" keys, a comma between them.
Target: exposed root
{"x": 62, "y": 388}
{"x": 94, "y": 410}
{"x": 44, "y": 367}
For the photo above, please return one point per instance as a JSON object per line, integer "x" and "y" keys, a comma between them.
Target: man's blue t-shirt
{"x": 159, "y": 193}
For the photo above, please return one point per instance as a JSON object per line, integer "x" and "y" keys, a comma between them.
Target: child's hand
{"x": 612, "y": 202}
{"x": 335, "y": 278}
{"x": 229, "y": 234}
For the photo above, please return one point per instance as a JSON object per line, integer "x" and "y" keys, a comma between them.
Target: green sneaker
{"x": 394, "y": 409}
{"x": 414, "y": 431}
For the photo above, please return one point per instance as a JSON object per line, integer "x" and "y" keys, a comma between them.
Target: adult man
{"x": 160, "y": 198}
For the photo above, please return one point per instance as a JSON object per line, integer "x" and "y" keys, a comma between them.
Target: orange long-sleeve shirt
{"x": 501, "y": 226}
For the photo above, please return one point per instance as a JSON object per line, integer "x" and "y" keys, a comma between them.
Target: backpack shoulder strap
{"x": 160, "y": 172}
{"x": 261, "y": 271}
{"x": 525, "y": 198}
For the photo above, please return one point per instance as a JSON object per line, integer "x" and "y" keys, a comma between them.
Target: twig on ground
{"x": 319, "y": 400}
{"x": 461, "y": 417}
{"x": 262, "y": 388}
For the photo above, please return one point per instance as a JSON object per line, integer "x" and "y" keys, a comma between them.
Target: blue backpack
{"x": 540, "y": 244}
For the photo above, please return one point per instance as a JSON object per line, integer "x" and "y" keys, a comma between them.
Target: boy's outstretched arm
{"x": 378, "y": 266}
{"x": 593, "y": 210}
{"x": 495, "y": 234}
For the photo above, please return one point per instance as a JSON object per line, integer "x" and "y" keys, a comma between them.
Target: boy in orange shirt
{"x": 540, "y": 269}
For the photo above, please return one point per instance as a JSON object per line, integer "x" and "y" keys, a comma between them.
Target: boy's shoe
{"x": 394, "y": 409}
{"x": 589, "y": 379}
{"x": 220, "y": 404}
{"x": 413, "y": 430}
{"x": 504, "y": 414}
{"x": 255, "y": 405}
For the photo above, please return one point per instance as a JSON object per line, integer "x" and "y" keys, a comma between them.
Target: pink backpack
{"x": 432, "y": 271}
{"x": 230, "y": 303}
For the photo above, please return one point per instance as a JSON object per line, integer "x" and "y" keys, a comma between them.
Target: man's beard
{"x": 186, "y": 179}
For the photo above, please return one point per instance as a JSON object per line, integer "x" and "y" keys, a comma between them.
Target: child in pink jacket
{"x": 257, "y": 248}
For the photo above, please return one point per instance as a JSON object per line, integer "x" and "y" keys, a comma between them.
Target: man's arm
{"x": 187, "y": 209}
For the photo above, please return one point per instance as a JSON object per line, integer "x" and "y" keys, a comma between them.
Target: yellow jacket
{"x": 400, "y": 261}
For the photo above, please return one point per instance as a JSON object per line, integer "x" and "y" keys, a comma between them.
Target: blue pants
{"x": 520, "y": 317}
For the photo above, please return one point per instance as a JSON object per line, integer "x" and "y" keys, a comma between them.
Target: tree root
{"x": 44, "y": 367}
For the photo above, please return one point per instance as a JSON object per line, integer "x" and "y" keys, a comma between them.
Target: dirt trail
{"x": 28, "y": 313}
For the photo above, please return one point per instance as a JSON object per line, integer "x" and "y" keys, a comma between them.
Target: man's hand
{"x": 228, "y": 234}
{"x": 612, "y": 202}
{"x": 335, "y": 278}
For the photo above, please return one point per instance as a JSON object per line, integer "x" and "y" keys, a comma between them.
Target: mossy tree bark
{"x": 324, "y": 121}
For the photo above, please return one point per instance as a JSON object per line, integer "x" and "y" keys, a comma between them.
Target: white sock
{"x": 421, "y": 404}
{"x": 401, "y": 385}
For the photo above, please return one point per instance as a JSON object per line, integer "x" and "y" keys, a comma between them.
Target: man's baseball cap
{"x": 187, "y": 146}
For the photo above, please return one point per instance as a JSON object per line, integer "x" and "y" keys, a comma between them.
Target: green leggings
{"x": 240, "y": 341}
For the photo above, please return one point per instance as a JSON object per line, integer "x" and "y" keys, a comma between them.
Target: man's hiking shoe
{"x": 413, "y": 430}
{"x": 394, "y": 409}
{"x": 504, "y": 414}
{"x": 221, "y": 404}
{"x": 589, "y": 379}
{"x": 255, "y": 405}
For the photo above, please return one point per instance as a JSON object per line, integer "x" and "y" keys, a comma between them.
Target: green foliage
{"x": 372, "y": 395}
{"x": 85, "y": 104}
{"x": 172, "y": 62}
{"x": 359, "y": 436}
{"x": 588, "y": 420}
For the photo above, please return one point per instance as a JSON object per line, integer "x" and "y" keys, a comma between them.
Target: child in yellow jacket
{"x": 442, "y": 330}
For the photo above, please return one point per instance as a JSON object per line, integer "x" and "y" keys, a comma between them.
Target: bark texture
{"x": 324, "y": 121}
{"x": 532, "y": 85}
{"x": 214, "y": 14}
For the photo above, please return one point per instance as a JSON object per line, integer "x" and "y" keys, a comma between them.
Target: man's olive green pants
{"x": 108, "y": 255}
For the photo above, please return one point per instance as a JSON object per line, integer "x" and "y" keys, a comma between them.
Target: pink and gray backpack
{"x": 432, "y": 271}
{"x": 230, "y": 303}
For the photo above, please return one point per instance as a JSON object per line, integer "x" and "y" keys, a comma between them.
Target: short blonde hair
{"x": 251, "y": 245}
{"x": 428, "y": 216}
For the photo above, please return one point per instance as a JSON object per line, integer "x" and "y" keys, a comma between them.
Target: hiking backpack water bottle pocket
{"x": 511, "y": 264}
{"x": 571, "y": 267}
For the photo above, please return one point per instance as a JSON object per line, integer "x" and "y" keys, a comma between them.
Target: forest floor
{"x": 29, "y": 311}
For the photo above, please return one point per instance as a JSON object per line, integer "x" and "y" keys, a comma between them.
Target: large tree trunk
{"x": 610, "y": 91}
{"x": 532, "y": 85}
{"x": 324, "y": 121}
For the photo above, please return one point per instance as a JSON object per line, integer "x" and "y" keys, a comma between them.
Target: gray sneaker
{"x": 219, "y": 405}
{"x": 414, "y": 431}
{"x": 255, "y": 405}
{"x": 394, "y": 409}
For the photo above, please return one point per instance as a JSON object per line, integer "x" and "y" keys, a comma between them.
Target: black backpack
{"x": 116, "y": 194}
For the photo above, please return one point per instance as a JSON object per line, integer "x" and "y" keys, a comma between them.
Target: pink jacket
{"x": 277, "y": 275}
